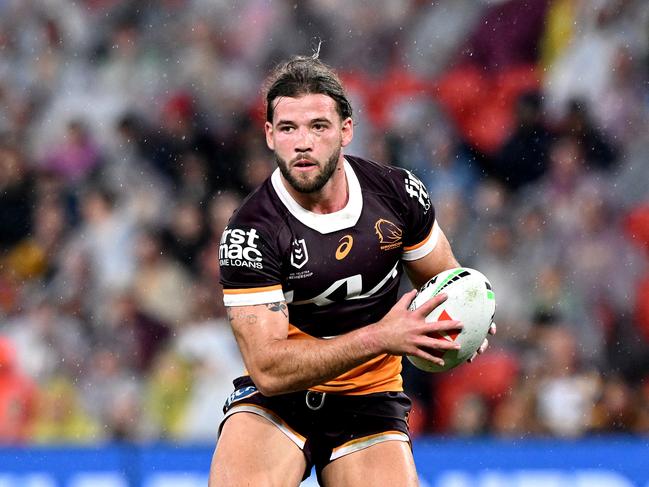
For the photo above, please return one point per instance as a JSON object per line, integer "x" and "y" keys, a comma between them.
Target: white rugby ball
{"x": 470, "y": 301}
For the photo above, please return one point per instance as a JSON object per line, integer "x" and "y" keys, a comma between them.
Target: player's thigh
{"x": 252, "y": 451}
{"x": 387, "y": 463}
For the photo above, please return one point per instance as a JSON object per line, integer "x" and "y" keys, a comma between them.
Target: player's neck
{"x": 331, "y": 198}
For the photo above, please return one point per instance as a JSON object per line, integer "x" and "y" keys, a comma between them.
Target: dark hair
{"x": 302, "y": 75}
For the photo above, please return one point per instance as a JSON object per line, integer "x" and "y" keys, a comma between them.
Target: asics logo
{"x": 345, "y": 246}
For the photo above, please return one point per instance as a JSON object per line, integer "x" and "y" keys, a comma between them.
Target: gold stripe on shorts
{"x": 293, "y": 435}
{"x": 367, "y": 441}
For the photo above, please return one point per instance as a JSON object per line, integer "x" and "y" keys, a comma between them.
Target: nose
{"x": 304, "y": 142}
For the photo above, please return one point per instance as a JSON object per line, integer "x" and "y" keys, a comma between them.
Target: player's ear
{"x": 268, "y": 129}
{"x": 347, "y": 131}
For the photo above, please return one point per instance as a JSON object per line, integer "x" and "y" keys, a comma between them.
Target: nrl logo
{"x": 389, "y": 234}
{"x": 299, "y": 254}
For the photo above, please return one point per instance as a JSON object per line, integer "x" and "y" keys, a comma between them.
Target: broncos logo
{"x": 389, "y": 234}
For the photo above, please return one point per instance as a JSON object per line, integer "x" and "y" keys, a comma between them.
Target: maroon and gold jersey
{"x": 337, "y": 272}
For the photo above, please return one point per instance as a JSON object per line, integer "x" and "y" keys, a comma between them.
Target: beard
{"x": 305, "y": 184}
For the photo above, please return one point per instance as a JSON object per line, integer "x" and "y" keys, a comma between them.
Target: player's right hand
{"x": 405, "y": 332}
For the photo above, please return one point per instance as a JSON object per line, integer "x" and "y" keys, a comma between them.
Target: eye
{"x": 286, "y": 129}
{"x": 319, "y": 127}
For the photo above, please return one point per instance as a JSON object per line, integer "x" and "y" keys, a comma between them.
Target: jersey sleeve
{"x": 422, "y": 232}
{"x": 250, "y": 267}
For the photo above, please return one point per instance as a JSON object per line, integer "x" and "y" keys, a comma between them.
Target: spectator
{"x": 48, "y": 341}
{"x": 136, "y": 337}
{"x": 17, "y": 397}
{"x": 187, "y": 235}
{"x": 75, "y": 156}
{"x": 61, "y": 418}
{"x": 524, "y": 157}
{"x": 206, "y": 344}
{"x": 167, "y": 393}
{"x": 448, "y": 169}
{"x": 516, "y": 415}
{"x": 38, "y": 256}
{"x": 495, "y": 261}
{"x": 584, "y": 69}
{"x": 599, "y": 152}
{"x": 615, "y": 410}
{"x": 186, "y": 137}
{"x": 470, "y": 416}
{"x": 106, "y": 240}
{"x": 565, "y": 391}
{"x": 507, "y": 35}
{"x": 112, "y": 392}
{"x": 161, "y": 287}
{"x": 16, "y": 197}
{"x": 559, "y": 189}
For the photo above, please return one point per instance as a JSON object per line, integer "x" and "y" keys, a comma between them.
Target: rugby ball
{"x": 470, "y": 301}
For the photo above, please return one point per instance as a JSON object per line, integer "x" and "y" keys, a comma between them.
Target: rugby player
{"x": 310, "y": 266}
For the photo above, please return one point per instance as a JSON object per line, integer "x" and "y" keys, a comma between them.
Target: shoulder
{"x": 249, "y": 250}
{"x": 390, "y": 181}
{"x": 260, "y": 210}
{"x": 374, "y": 172}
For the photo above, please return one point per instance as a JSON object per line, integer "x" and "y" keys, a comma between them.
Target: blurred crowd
{"x": 130, "y": 131}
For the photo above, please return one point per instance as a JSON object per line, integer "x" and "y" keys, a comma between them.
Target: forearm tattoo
{"x": 249, "y": 318}
{"x": 279, "y": 306}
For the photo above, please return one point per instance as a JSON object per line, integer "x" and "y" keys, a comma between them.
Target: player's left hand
{"x": 485, "y": 343}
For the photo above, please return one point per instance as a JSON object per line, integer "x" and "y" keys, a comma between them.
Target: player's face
{"x": 307, "y": 135}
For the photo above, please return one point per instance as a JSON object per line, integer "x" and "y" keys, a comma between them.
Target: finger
{"x": 431, "y": 358}
{"x": 446, "y": 325}
{"x": 406, "y": 299}
{"x": 428, "y": 306}
{"x": 439, "y": 344}
{"x": 482, "y": 349}
{"x": 492, "y": 328}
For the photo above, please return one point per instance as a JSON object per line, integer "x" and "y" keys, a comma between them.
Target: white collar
{"x": 329, "y": 222}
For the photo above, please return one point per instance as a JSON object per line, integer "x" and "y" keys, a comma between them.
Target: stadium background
{"x": 129, "y": 131}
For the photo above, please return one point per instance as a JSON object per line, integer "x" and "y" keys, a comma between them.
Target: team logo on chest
{"x": 389, "y": 234}
{"x": 299, "y": 253}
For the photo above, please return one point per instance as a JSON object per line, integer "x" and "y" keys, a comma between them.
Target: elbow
{"x": 268, "y": 384}
{"x": 269, "y": 391}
